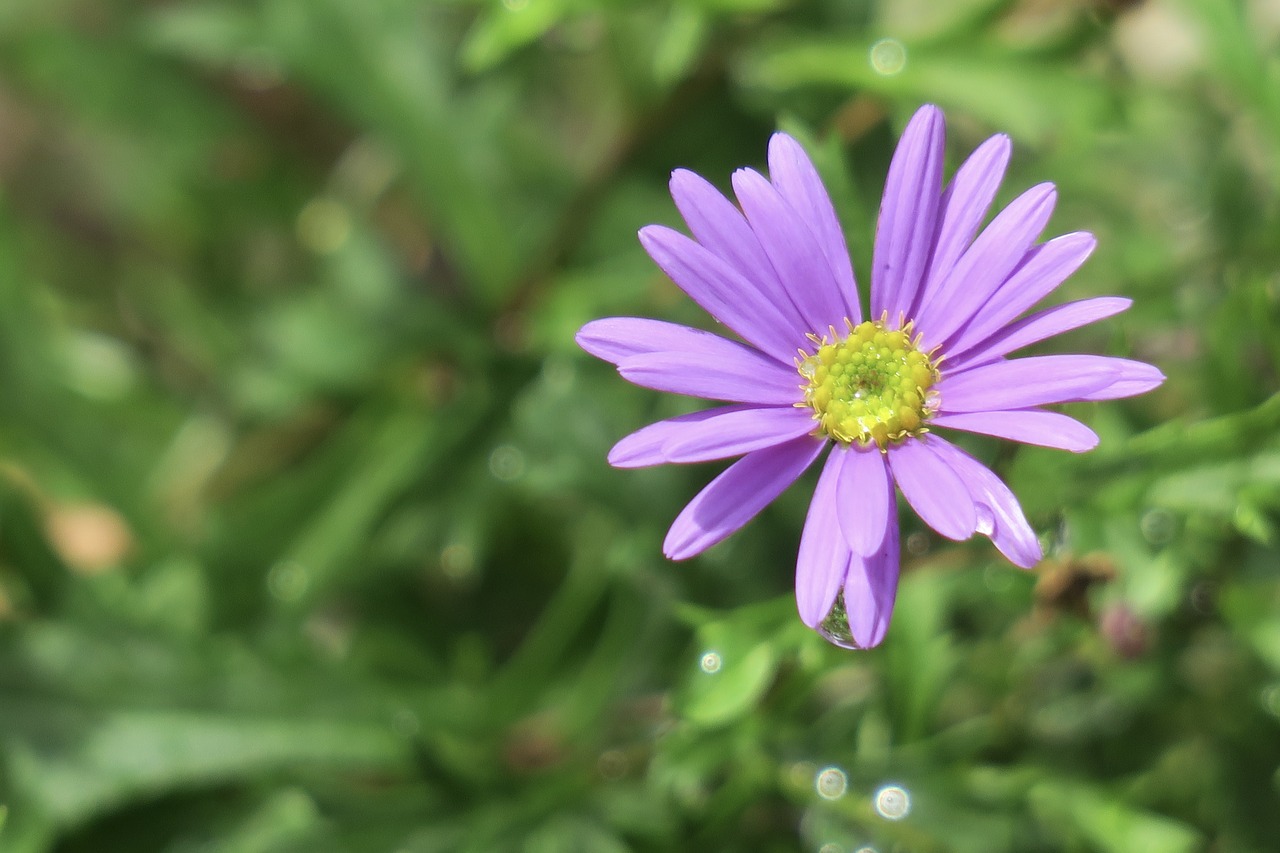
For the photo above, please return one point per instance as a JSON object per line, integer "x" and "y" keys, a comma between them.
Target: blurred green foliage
{"x": 307, "y": 541}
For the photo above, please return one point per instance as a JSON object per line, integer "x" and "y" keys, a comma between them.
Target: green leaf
{"x": 506, "y": 27}
{"x": 285, "y": 820}
{"x": 728, "y": 675}
{"x": 1028, "y": 99}
{"x": 1109, "y": 823}
{"x": 87, "y": 762}
{"x": 920, "y": 654}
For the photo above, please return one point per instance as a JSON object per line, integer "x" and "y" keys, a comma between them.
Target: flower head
{"x": 946, "y": 305}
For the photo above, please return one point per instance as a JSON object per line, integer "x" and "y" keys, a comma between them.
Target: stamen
{"x": 874, "y": 385}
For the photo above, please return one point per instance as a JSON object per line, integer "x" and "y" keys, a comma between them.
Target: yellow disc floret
{"x": 872, "y": 385}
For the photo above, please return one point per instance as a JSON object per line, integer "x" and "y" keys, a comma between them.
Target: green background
{"x": 307, "y": 540}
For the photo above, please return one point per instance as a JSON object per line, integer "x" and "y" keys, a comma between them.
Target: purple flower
{"x": 945, "y": 306}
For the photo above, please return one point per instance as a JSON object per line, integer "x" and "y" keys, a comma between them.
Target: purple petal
{"x": 738, "y": 375}
{"x": 737, "y": 495}
{"x": 861, "y": 495}
{"x": 645, "y": 447}
{"x": 722, "y": 292}
{"x": 871, "y": 586}
{"x": 908, "y": 214}
{"x": 1029, "y": 426}
{"x": 1131, "y": 378}
{"x": 797, "y": 181}
{"x": 615, "y": 339}
{"x": 999, "y": 515}
{"x": 676, "y": 358}
{"x": 719, "y": 226}
{"x": 793, "y": 251}
{"x": 1038, "y": 327}
{"x": 1044, "y": 268}
{"x": 824, "y": 556}
{"x": 710, "y": 434}
{"x": 1025, "y": 382}
{"x": 736, "y": 433}
{"x": 985, "y": 266}
{"x": 933, "y": 489}
{"x": 964, "y": 205}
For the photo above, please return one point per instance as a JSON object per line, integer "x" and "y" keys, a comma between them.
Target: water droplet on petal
{"x": 835, "y": 627}
{"x": 986, "y": 519}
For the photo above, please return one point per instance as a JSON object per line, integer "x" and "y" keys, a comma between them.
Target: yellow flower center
{"x": 872, "y": 385}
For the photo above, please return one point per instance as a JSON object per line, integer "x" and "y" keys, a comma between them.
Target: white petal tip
{"x": 684, "y": 177}
{"x": 626, "y": 461}
{"x": 594, "y": 340}
{"x": 678, "y": 549}
{"x": 1087, "y": 241}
